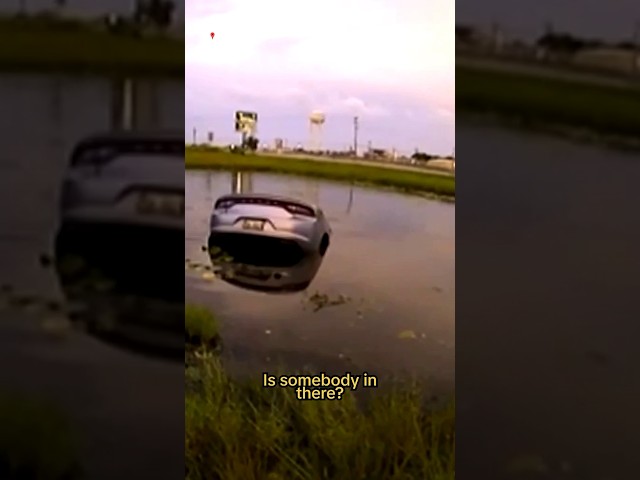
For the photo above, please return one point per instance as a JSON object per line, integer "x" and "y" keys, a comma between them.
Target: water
{"x": 392, "y": 254}
{"x": 547, "y": 329}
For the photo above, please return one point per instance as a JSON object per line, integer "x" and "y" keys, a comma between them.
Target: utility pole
{"x": 355, "y": 136}
{"x": 194, "y": 136}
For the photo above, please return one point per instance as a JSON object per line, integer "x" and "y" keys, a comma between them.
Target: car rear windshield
{"x": 290, "y": 206}
{"x": 103, "y": 151}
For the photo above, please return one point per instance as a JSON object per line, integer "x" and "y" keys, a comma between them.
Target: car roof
{"x": 268, "y": 196}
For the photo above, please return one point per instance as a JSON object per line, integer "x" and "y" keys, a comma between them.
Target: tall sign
{"x": 246, "y": 122}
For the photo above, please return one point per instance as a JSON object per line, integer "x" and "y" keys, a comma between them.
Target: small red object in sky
{"x": 213, "y": 34}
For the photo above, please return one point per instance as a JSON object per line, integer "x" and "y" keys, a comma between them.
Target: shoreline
{"x": 71, "y": 46}
{"x": 264, "y": 426}
{"x": 578, "y": 109}
{"x": 437, "y": 185}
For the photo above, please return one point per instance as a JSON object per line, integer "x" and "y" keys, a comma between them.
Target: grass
{"x": 541, "y": 101}
{"x": 70, "y": 46}
{"x": 36, "y": 441}
{"x": 236, "y": 429}
{"x": 411, "y": 181}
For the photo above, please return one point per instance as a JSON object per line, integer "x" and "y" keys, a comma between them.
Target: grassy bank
{"x": 388, "y": 177}
{"x": 238, "y": 429}
{"x": 45, "y": 45}
{"x": 542, "y": 101}
{"x": 36, "y": 440}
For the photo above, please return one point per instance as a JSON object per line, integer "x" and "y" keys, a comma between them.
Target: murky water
{"x": 391, "y": 254}
{"x": 549, "y": 238}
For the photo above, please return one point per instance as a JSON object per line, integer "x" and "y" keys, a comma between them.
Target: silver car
{"x": 287, "y": 228}
{"x": 122, "y": 213}
{"x": 126, "y": 179}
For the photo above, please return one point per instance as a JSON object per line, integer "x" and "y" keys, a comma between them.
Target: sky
{"x": 389, "y": 62}
{"x": 611, "y": 20}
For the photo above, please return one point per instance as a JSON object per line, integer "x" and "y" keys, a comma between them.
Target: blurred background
{"x": 70, "y": 71}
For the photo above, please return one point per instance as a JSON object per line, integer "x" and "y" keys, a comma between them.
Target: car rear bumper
{"x": 257, "y": 250}
{"x": 276, "y": 236}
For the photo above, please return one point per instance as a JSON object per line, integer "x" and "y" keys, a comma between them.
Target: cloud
{"x": 444, "y": 112}
{"x": 376, "y": 59}
{"x": 279, "y": 45}
{"x": 355, "y": 106}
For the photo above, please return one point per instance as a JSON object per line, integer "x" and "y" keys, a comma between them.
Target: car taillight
{"x": 291, "y": 207}
{"x": 299, "y": 210}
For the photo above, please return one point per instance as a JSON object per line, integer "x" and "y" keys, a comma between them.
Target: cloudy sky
{"x": 611, "y": 19}
{"x": 389, "y": 62}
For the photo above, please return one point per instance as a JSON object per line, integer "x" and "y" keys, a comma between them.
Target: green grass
{"x": 411, "y": 181}
{"x": 539, "y": 101}
{"x": 36, "y": 441}
{"x": 236, "y": 429}
{"x": 46, "y": 45}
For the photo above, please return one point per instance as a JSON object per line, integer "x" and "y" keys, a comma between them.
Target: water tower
{"x": 316, "y": 122}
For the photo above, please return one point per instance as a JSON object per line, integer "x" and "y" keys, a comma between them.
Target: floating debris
{"x": 319, "y": 301}
{"x": 208, "y": 276}
{"x": 22, "y": 301}
{"x": 407, "y": 335}
{"x": 529, "y": 463}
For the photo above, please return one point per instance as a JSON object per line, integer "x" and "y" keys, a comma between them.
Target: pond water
{"x": 392, "y": 255}
{"x": 548, "y": 330}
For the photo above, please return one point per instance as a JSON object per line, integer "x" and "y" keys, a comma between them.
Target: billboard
{"x": 246, "y": 121}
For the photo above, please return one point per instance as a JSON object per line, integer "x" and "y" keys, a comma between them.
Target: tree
{"x": 420, "y": 156}
{"x": 252, "y": 143}
{"x": 561, "y": 42}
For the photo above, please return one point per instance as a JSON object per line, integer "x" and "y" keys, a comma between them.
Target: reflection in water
{"x": 135, "y": 104}
{"x": 350, "y": 203}
{"x": 262, "y": 266}
{"x": 241, "y": 182}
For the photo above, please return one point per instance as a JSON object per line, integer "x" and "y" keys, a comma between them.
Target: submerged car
{"x": 284, "y": 226}
{"x": 266, "y": 270}
{"x": 121, "y": 224}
